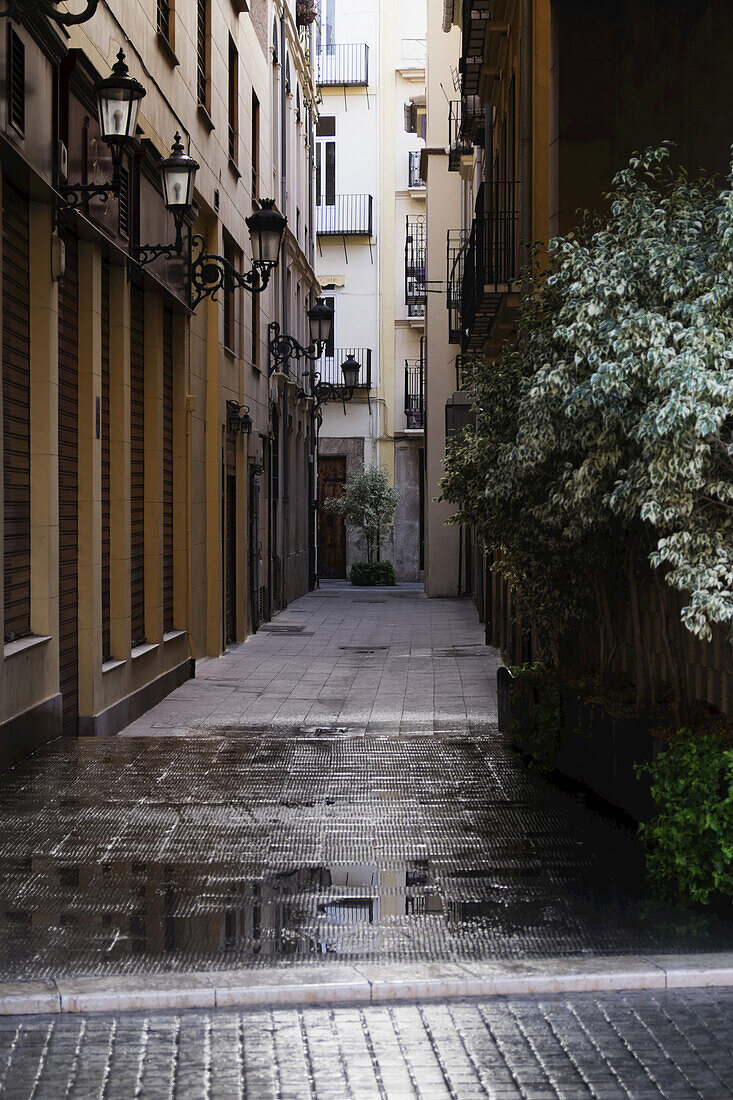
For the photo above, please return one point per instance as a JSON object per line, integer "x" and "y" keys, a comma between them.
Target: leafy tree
{"x": 368, "y": 503}
{"x": 604, "y": 436}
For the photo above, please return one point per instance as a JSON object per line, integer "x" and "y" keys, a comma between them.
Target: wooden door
{"x": 230, "y": 542}
{"x": 168, "y": 618}
{"x": 69, "y": 488}
{"x": 331, "y": 529}
{"x": 137, "y": 465}
{"x": 254, "y": 551}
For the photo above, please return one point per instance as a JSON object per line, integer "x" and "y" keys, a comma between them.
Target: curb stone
{"x": 364, "y": 983}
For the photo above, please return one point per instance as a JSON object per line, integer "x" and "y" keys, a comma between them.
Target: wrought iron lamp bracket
{"x": 78, "y": 194}
{"x": 283, "y": 348}
{"x": 210, "y": 273}
{"x": 17, "y": 9}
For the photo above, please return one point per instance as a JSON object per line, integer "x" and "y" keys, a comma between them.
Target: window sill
{"x": 167, "y": 50}
{"x": 234, "y": 170}
{"x": 112, "y": 664}
{"x": 141, "y": 650}
{"x": 22, "y": 645}
{"x": 205, "y": 117}
{"x": 230, "y": 352}
{"x": 172, "y": 635}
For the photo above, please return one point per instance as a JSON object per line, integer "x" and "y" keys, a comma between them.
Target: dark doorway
{"x": 331, "y": 529}
{"x": 230, "y": 552}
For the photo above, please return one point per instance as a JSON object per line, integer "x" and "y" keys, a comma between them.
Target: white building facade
{"x": 369, "y": 199}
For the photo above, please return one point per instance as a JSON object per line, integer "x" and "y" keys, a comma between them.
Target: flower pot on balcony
{"x": 305, "y": 12}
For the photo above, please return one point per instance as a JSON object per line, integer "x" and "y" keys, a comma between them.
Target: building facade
{"x": 369, "y": 216}
{"x": 140, "y": 528}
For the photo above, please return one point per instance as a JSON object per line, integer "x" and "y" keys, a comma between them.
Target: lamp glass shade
{"x": 178, "y": 172}
{"x": 266, "y": 231}
{"x": 320, "y": 321}
{"x": 118, "y": 103}
{"x": 350, "y": 370}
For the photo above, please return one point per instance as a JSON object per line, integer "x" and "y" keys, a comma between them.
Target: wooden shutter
{"x": 137, "y": 464}
{"x": 16, "y": 412}
{"x": 106, "y": 544}
{"x": 167, "y": 468}
{"x": 69, "y": 487}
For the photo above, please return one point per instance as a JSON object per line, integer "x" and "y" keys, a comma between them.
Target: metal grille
{"x": 415, "y": 178}
{"x": 16, "y": 80}
{"x": 458, "y": 145}
{"x": 415, "y": 393}
{"x": 456, "y": 245}
{"x": 415, "y": 258}
{"x": 262, "y": 607}
{"x": 164, "y": 19}
{"x": 349, "y": 215}
{"x": 202, "y": 67}
{"x": 491, "y": 260}
{"x": 330, "y": 366}
{"x": 344, "y": 64}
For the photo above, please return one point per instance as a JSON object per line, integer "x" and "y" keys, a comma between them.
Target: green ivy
{"x": 690, "y": 841}
{"x": 536, "y": 706}
{"x": 366, "y": 573}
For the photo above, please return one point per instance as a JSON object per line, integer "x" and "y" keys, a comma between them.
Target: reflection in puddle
{"x": 217, "y": 853}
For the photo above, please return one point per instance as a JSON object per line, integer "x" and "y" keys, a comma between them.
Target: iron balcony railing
{"x": 456, "y": 245}
{"x": 329, "y": 366}
{"x": 476, "y": 16}
{"x": 458, "y": 145}
{"x": 415, "y": 178}
{"x": 415, "y": 393}
{"x": 341, "y": 65}
{"x": 461, "y": 374}
{"x": 350, "y": 216}
{"x": 416, "y": 253}
{"x": 473, "y": 120}
{"x": 492, "y": 261}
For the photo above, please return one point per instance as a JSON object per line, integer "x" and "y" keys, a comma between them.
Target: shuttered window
{"x": 106, "y": 544}
{"x": 16, "y": 412}
{"x": 167, "y": 468}
{"x": 16, "y": 80}
{"x": 137, "y": 464}
{"x": 69, "y": 487}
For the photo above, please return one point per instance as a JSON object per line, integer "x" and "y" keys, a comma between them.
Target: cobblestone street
{"x": 335, "y": 790}
{"x": 640, "y": 1046}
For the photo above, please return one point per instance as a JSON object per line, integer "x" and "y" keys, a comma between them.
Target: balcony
{"x": 329, "y": 367}
{"x": 492, "y": 261}
{"x": 483, "y": 28}
{"x": 416, "y": 252}
{"x": 458, "y": 145}
{"x": 456, "y": 245}
{"x": 415, "y": 391}
{"x": 415, "y": 179}
{"x": 350, "y": 216}
{"x": 343, "y": 66}
{"x": 473, "y": 120}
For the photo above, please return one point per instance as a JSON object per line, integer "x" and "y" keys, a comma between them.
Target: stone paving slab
{"x": 364, "y": 982}
{"x": 608, "y": 1046}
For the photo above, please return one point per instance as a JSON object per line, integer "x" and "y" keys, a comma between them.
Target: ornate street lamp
{"x": 118, "y": 103}
{"x": 209, "y": 272}
{"x": 18, "y": 9}
{"x": 178, "y": 172}
{"x": 238, "y": 418}
{"x": 331, "y": 391}
{"x": 283, "y": 348}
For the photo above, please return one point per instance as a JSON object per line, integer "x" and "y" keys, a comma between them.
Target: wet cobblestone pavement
{"x": 677, "y": 1046}
{"x": 253, "y": 842}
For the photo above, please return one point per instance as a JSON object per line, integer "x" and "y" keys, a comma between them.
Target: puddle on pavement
{"x": 157, "y": 854}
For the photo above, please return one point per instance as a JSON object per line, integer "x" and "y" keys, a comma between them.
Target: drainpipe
{"x": 525, "y": 126}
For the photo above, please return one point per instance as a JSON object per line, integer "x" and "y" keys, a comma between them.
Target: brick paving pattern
{"x": 613, "y": 1046}
{"x": 237, "y": 846}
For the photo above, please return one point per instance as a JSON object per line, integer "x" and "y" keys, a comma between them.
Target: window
{"x": 16, "y": 81}
{"x": 232, "y": 257}
{"x": 329, "y": 350}
{"x": 233, "y": 129}
{"x": 165, "y": 20}
{"x": 203, "y": 32}
{"x": 255, "y": 348}
{"x": 255, "y": 147}
{"x": 326, "y": 161}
